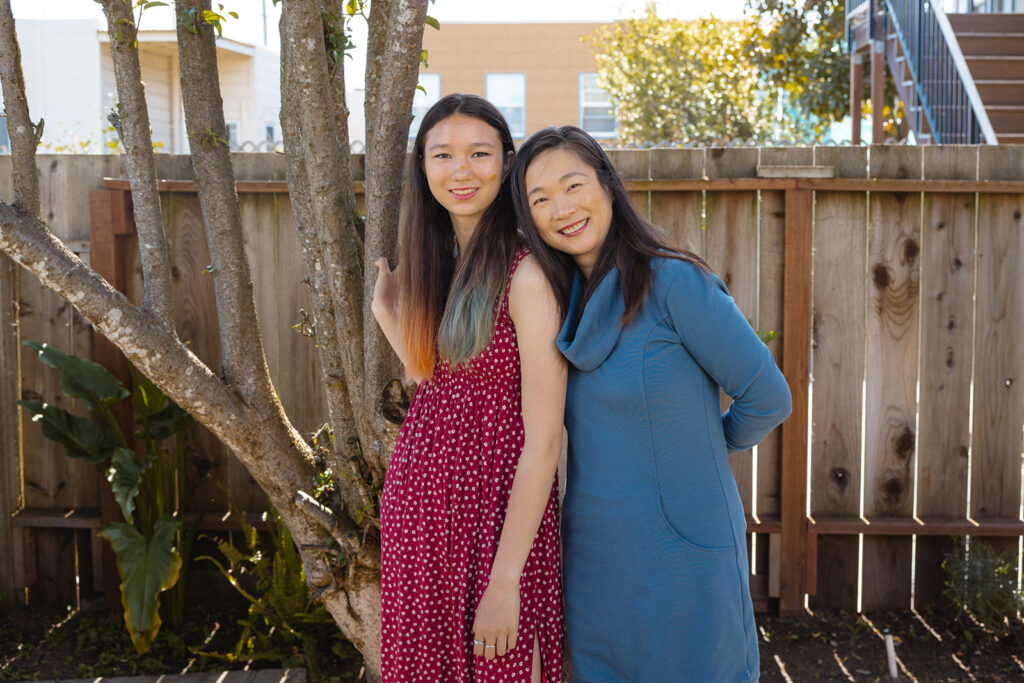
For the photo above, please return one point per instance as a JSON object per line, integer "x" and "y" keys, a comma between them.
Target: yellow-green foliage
{"x": 682, "y": 82}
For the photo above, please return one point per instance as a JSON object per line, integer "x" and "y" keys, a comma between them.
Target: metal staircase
{"x": 960, "y": 76}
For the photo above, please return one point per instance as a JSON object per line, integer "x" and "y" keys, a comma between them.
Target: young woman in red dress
{"x": 470, "y": 583}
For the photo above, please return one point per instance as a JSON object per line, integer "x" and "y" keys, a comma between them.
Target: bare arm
{"x": 385, "y": 307}
{"x": 535, "y": 314}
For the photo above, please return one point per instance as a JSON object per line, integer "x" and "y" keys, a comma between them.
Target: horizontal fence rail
{"x": 889, "y": 276}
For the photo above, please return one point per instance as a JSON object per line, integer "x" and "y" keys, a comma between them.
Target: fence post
{"x": 10, "y": 423}
{"x": 796, "y": 326}
{"x": 111, "y": 221}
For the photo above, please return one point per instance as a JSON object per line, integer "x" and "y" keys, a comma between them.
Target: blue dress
{"x": 655, "y": 562}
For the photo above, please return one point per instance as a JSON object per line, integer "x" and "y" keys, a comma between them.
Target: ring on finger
{"x": 479, "y": 642}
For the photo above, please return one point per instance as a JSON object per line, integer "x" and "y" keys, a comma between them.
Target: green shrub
{"x": 983, "y": 584}
{"x": 284, "y": 623}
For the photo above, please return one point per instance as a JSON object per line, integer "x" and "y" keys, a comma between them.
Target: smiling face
{"x": 569, "y": 205}
{"x": 464, "y": 166}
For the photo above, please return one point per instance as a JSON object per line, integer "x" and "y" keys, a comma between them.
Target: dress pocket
{"x": 688, "y": 539}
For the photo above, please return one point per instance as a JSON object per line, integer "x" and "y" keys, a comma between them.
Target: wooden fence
{"x": 889, "y": 274}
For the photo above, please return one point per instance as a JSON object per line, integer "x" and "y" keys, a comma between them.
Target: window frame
{"x": 517, "y": 134}
{"x": 581, "y": 105}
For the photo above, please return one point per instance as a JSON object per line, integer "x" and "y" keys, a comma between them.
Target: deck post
{"x": 111, "y": 222}
{"x": 796, "y": 351}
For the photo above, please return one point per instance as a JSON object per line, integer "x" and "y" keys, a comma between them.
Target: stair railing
{"x": 946, "y": 93}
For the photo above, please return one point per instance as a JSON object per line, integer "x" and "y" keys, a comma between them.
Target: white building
{"x": 69, "y": 81}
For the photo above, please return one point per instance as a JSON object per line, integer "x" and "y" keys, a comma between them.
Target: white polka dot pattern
{"x": 442, "y": 510}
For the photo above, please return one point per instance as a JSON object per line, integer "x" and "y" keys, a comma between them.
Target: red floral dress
{"x": 442, "y": 510}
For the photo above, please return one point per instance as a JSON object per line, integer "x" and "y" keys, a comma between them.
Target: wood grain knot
{"x": 892, "y": 490}
{"x": 882, "y": 276}
{"x": 957, "y": 264}
{"x": 1016, "y": 215}
{"x": 962, "y": 452}
{"x": 941, "y": 225}
{"x": 840, "y": 477}
{"x": 910, "y": 250}
{"x": 904, "y": 443}
{"x": 202, "y": 462}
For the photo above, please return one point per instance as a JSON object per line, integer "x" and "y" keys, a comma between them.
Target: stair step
{"x": 1006, "y": 119}
{"x": 991, "y": 44}
{"x": 994, "y": 92}
{"x": 993, "y": 68}
{"x": 1009, "y": 139}
{"x": 1006, "y": 22}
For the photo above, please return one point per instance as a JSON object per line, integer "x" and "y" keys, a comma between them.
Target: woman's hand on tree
{"x": 384, "y": 299}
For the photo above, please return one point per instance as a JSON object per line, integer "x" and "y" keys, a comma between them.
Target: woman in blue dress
{"x": 655, "y": 564}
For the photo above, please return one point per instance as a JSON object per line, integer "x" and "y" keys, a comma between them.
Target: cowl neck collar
{"x": 588, "y": 336}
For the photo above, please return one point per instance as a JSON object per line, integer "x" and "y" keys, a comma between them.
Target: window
{"x": 232, "y": 128}
{"x": 508, "y": 93}
{"x": 597, "y": 115}
{"x": 5, "y": 140}
{"x": 423, "y": 99}
{"x": 271, "y": 134}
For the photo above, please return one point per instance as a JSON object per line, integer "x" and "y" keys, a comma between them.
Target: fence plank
{"x": 837, "y": 356}
{"x": 196, "y": 320}
{"x": 894, "y": 238}
{"x": 265, "y": 257}
{"x": 633, "y": 164}
{"x": 10, "y": 438}
{"x": 679, "y": 214}
{"x": 304, "y": 399}
{"x": 10, "y": 427}
{"x": 42, "y": 318}
{"x": 730, "y": 248}
{"x": 999, "y": 363}
{"x": 947, "y": 290}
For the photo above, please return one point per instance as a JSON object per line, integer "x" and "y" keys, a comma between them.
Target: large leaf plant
{"x": 146, "y": 471}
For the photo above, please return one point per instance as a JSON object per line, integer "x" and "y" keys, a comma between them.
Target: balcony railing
{"x": 947, "y": 96}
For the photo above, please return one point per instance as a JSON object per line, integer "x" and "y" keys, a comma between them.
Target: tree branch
{"x": 136, "y": 136}
{"x": 387, "y": 140}
{"x": 328, "y": 520}
{"x": 242, "y": 352}
{"x": 315, "y": 117}
{"x": 376, "y": 37}
{"x": 23, "y": 133}
{"x": 326, "y": 329}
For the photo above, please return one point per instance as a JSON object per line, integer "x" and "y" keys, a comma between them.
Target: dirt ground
{"x": 838, "y": 646}
{"x": 820, "y": 646}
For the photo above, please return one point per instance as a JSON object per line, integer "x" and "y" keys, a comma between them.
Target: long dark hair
{"x": 631, "y": 242}
{"x": 443, "y": 305}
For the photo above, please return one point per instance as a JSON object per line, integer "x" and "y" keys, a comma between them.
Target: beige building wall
{"x": 552, "y": 56}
